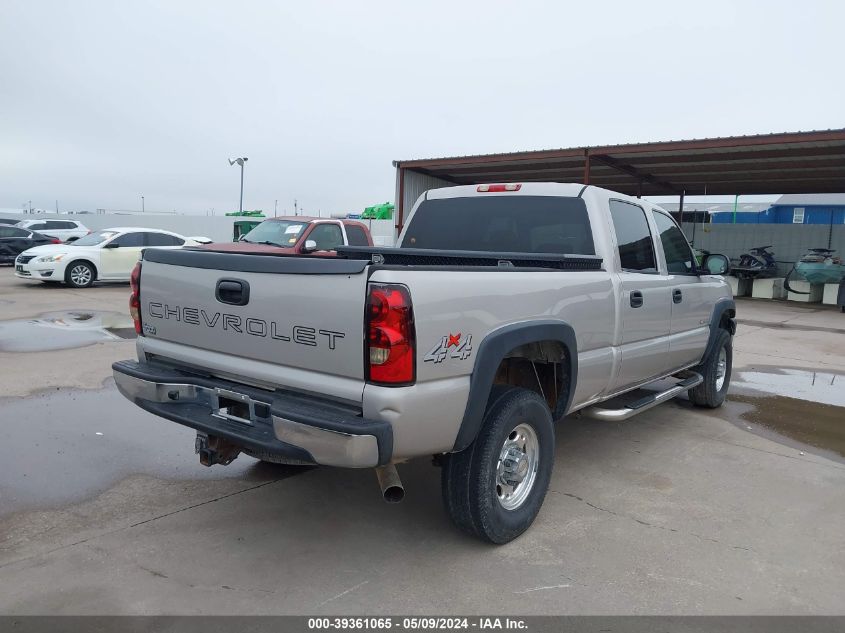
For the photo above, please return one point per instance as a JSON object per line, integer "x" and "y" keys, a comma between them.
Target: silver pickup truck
{"x": 502, "y": 309}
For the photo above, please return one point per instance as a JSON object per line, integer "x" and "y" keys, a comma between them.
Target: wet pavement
{"x": 813, "y": 386}
{"x": 64, "y": 330}
{"x": 800, "y": 408}
{"x": 678, "y": 510}
{"x": 816, "y": 428}
{"x": 64, "y": 446}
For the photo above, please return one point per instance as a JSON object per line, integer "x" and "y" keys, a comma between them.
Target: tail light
{"x": 135, "y": 297}
{"x": 55, "y": 240}
{"x": 391, "y": 337}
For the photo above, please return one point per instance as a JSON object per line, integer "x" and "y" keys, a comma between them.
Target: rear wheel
{"x": 494, "y": 488}
{"x": 79, "y": 275}
{"x": 716, "y": 370}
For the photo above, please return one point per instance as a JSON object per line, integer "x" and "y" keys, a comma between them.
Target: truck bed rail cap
{"x": 248, "y": 263}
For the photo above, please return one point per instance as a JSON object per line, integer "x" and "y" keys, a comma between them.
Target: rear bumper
{"x": 292, "y": 425}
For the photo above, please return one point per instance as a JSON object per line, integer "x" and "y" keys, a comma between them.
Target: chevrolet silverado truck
{"x": 503, "y": 309}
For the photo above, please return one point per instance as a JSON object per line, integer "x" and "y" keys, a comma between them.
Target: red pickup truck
{"x": 299, "y": 235}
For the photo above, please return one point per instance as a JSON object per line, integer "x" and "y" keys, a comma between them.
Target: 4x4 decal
{"x": 452, "y": 346}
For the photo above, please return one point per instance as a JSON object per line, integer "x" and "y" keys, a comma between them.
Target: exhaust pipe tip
{"x": 393, "y": 494}
{"x": 392, "y": 489}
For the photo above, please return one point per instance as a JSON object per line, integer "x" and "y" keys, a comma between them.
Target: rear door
{"x": 356, "y": 235}
{"x": 119, "y": 257}
{"x": 689, "y": 329}
{"x": 59, "y": 229}
{"x": 645, "y": 302}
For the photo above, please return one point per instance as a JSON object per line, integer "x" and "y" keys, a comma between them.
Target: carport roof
{"x": 791, "y": 162}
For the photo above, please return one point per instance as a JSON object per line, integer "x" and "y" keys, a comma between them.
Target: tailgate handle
{"x": 232, "y": 291}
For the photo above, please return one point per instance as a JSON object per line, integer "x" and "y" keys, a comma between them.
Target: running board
{"x": 643, "y": 404}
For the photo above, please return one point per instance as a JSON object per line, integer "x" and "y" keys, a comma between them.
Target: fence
{"x": 788, "y": 241}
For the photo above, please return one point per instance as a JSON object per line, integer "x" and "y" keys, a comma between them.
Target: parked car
{"x": 106, "y": 255}
{"x": 504, "y": 308}
{"x": 65, "y": 230}
{"x": 9, "y": 221}
{"x": 15, "y": 240}
{"x": 299, "y": 235}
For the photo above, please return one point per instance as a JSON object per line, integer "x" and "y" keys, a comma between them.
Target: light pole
{"x": 240, "y": 161}
{"x": 142, "y": 204}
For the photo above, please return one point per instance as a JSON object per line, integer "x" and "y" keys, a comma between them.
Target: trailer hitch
{"x": 215, "y": 450}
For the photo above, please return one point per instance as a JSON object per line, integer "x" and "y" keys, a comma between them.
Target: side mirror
{"x": 309, "y": 247}
{"x": 716, "y": 264}
{"x": 111, "y": 245}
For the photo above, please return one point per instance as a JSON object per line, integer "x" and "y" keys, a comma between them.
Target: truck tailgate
{"x": 297, "y": 312}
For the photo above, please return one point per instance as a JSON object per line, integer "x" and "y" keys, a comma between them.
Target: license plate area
{"x": 238, "y": 407}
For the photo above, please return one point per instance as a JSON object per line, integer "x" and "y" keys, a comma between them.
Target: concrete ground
{"x": 104, "y": 509}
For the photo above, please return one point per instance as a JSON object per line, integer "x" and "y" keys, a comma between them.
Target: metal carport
{"x": 795, "y": 162}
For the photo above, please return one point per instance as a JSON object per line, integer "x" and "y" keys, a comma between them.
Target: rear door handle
{"x": 636, "y": 299}
{"x": 232, "y": 291}
{"x": 677, "y": 295}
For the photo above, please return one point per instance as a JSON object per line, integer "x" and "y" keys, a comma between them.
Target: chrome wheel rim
{"x": 721, "y": 369}
{"x": 516, "y": 470}
{"x": 80, "y": 275}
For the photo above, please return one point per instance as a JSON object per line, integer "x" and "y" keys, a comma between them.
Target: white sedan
{"x": 107, "y": 255}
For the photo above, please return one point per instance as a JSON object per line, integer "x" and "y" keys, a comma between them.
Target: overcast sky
{"x": 103, "y": 102}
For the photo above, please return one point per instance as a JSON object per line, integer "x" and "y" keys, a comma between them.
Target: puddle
{"x": 817, "y": 425}
{"x": 64, "y": 330}
{"x": 69, "y": 445}
{"x": 813, "y": 386}
{"x": 800, "y": 408}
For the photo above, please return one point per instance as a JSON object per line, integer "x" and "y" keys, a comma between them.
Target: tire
{"x": 80, "y": 275}
{"x": 712, "y": 392}
{"x": 475, "y": 494}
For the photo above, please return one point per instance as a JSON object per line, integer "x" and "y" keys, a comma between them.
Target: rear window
{"x": 356, "y": 235}
{"x": 162, "y": 239}
{"x": 517, "y": 224}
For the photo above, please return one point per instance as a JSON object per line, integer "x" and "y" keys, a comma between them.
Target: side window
{"x": 130, "y": 239}
{"x": 162, "y": 239}
{"x": 356, "y": 236}
{"x": 57, "y": 225}
{"x": 38, "y": 226}
{"x": 8, "y": 231}
{"x": 679, "y": 258}
{"x": 327, "y": 236}
{"x": 636, "y": 249}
